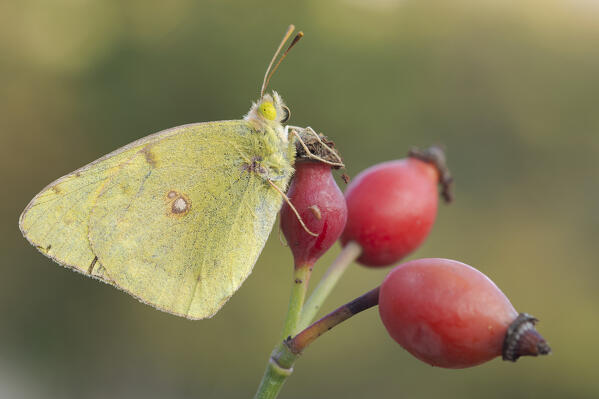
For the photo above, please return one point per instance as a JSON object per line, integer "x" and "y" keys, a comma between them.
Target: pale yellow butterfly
{"x": 177, "y": 219}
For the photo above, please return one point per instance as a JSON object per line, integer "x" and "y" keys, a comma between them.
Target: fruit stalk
{"x": 306, "y": 337}
{"x": 347, "y": 255}
{"x": 301, "y": 277}
{"x": 280, "y": 364}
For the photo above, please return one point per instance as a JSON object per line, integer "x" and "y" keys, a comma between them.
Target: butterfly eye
{"x": 286, "y": 114}
{"x": 267, "y": 110}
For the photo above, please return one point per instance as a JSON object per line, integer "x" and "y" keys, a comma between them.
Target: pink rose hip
{"x": 450, "y": 315}
{"x": 392, "y": 206}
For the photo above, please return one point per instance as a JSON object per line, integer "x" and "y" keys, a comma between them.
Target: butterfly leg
{"x": 286, "y": 198}
{"x": 254, "y": 166}
{"x": 292, "y": 131}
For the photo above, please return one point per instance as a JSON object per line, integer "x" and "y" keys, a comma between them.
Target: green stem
{"x": 301, "y": 277}
{"x": 280, "y": 364}
{"x": 348, "y": 254}
{"x": 339, "y": 315}
{"x": 279, "y": 367}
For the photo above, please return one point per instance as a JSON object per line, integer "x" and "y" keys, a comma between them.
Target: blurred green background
{"x": 511, "y": 90}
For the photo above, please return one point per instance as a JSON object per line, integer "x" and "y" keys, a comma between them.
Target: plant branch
{"x": 279, "y": 367}
{"x": 306, "y": 337}
{"x": 280, "y": 363}
{"x": 348, "y": 254}
{"x": 301, "y": 277}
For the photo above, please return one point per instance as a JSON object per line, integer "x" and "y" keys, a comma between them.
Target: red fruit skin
{"x": 313, "y": 185}
{"x": 391, "y": 209}
{"x": 445, "y": 312}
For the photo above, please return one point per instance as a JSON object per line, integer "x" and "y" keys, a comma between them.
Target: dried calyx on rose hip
{"x": 435, "y": 156}
{"x": 450, "y": 315}
{"x": 317, "y": 199}
{"x": 392, "y": 206}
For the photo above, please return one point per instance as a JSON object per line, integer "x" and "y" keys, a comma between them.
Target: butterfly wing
{"x": 177, "y": 219}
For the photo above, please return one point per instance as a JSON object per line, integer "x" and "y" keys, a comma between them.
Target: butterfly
{"x": 176, "y": 219}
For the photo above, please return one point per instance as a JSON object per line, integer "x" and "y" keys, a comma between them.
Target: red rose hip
{"x": 392, "y": 206}
{"x": 320, "y": 204}
{"x": 450, "y": 315}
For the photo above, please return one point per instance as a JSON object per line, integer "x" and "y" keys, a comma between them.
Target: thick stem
{"x": 348, "y": 254}
{"x": 279, "y": 367}
{"x": 307, "y": 336}
{"x": 301, "y": 277}
{"x": 280, "y": 363}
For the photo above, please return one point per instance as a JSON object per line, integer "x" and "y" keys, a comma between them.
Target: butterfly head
{"x": 270, "y": 110}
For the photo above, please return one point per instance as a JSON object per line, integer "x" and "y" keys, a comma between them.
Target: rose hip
{"x": 392, "y": 206}
{"x": 449, "y": 314}
{"x": 320, "y": 204}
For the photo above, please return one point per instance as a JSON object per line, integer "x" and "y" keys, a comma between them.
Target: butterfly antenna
{"x": 271, "y": 70}
{"x": 288, "y": 33}
{"x": 293, "y": 42}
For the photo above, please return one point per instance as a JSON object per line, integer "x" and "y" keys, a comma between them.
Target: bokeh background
{"x": 510, "y": 89}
